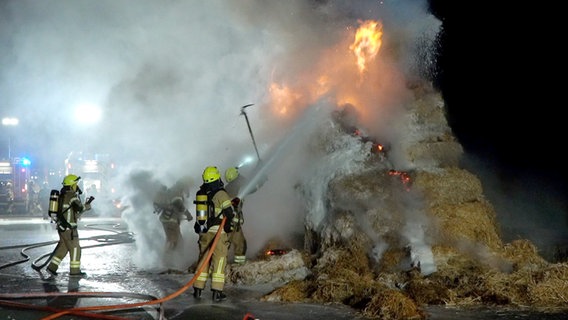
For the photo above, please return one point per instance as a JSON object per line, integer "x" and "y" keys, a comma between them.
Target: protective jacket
{"x": 219, "y": 207}
{"x": 169, "y": 204}
{"x": 237, "y": 237}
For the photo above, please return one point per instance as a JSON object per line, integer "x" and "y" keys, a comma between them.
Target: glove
{"x": 235, "y": 202}
{"x": 229, "y": 222}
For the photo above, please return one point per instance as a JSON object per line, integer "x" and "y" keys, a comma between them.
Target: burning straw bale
{"x": 369, "y": 196}
{"x": 361, "y": 189}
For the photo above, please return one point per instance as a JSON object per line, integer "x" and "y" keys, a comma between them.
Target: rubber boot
{"x": 78, "y": 274}
{"x": 197, "y": 293}
{"x": 219, "y": 296}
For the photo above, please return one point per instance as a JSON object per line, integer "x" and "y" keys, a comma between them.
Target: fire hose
{"x": 156, "y": 301}
{"x": 90, "y": 310}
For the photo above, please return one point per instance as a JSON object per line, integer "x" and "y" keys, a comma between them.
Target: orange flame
{"x": 333, "y": 74}
{"x": 367, "y": 42}
{"x": 284, "y": 98}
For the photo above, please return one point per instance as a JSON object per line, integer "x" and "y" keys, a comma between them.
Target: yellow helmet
{"x": 211, "y": 174}
{"x": 70, "y": 180}
{"x": 231, "y": 174}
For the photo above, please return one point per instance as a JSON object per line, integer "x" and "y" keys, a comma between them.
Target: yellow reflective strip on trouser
{"x": 55, "y": 260}
{"x": 218, "y": 276}
{"x": 74, "y": 263}
{"x": 203, "y": 276}
{"x": 240, "y": 259}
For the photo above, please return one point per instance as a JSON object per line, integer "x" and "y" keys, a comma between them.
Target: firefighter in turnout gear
{"x": 235, "y": 184}
{"x": 70, "y": 209}
{"x": 207, "y": 225}
{"x": 169, "y": 204}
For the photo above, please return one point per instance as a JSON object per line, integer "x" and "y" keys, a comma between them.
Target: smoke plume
{"x": 170, "y": 78}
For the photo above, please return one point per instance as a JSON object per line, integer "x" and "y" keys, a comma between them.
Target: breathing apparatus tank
{"x": 53, "y": 202}
{"x": 201, "y": 206}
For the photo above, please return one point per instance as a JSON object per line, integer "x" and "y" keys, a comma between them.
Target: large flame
{"x": 334, "y": 73}
{"x": 367, "y": 42}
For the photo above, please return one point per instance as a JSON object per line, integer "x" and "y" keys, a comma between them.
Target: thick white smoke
{"x": 171, "y": 78}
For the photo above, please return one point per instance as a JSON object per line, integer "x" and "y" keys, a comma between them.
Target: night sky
{"x": 495, "y": 72}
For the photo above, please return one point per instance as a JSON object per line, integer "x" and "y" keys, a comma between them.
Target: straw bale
{"x": 367, "y": 201}
{"x": 425, "y": 291}
{"x": 282, "y": 269}
{"x": 461, "y": 274}
{"x": 425, "y": 120}
{"x": 335, "y": 261}
{"x": 550, "y": 287}
{"x": 429, "y": 109}
{"x": 393, "y": 304}
{"x": 293, "y": 291}
{"x": 524, "y": 255}
{"x": 339, "y": 288}
{"x": 513, "y": 286}
{"x": 448, "y": 186}
{"x": 392, "y": 258}
{"x": 435, "y": 154}
{"x": 360, "y": 189}
{"x": 342, "y": 273}
{"x": 472, "y": 221}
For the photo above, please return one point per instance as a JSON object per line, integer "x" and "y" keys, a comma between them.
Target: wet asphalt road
{"x": 112, "y": 279}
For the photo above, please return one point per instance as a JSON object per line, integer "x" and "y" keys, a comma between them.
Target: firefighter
{"x": 235, "y": 184}
{"x": 70, "y": 209}
{"x": 219, "y": 206}
{"x": 10, "y": 197}
{"x": 170, "y": 205}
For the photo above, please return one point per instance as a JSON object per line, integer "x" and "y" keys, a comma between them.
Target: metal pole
{"x": 250, "y": 130}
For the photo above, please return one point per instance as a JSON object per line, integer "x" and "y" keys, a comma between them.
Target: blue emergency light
{"x": 25, "y": 162}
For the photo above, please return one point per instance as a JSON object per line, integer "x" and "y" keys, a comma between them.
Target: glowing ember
{"x": 377, "y": 148}
{"x": 276, "y": 252}
{"x": 404, "y": 177}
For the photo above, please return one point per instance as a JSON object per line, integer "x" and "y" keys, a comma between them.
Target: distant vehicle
{"x": 97, "y": 171}
{"x": 14, "y": 176}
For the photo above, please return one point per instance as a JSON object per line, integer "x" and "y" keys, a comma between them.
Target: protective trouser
{"x": 238, "y": 244}
{"x": 68, "y": 243}
{"x": 173, "y": 234}
{"x": 218, "y": 262}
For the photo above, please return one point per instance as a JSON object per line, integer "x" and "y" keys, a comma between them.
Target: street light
{"x": 10, "y": 122}
{"x": 87, "y": 113}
